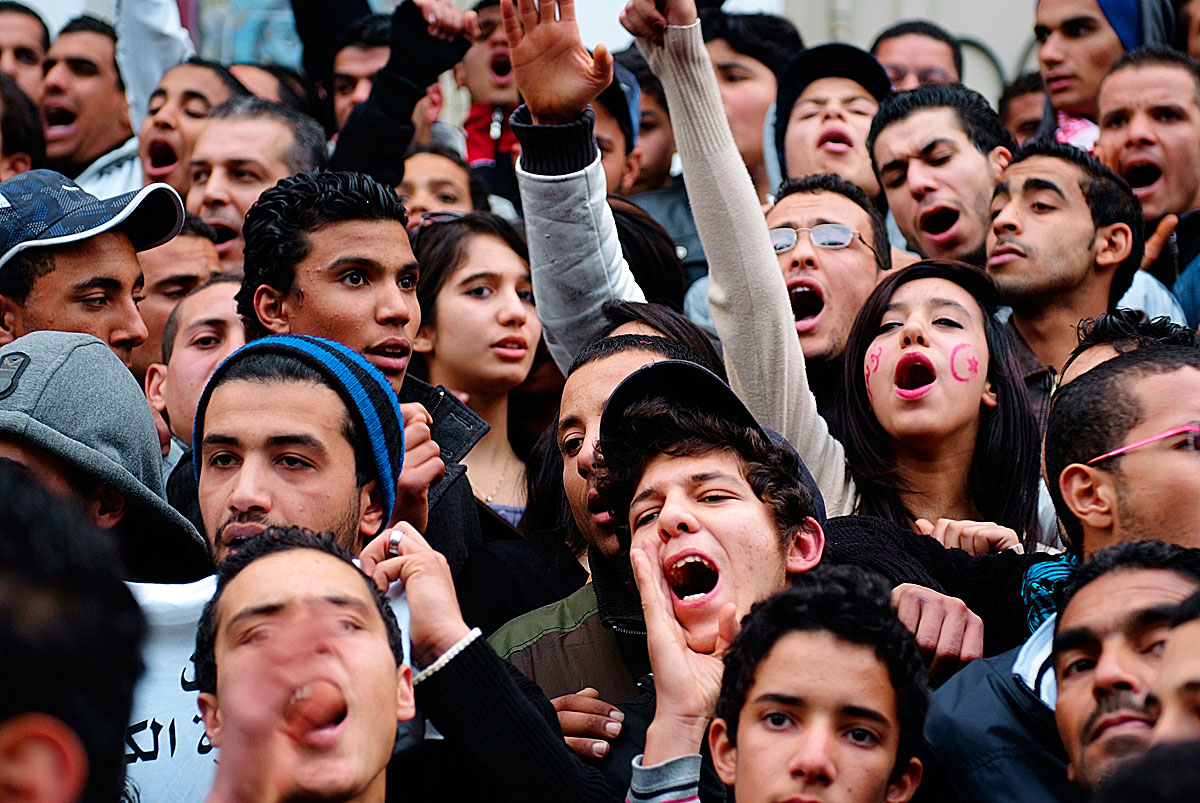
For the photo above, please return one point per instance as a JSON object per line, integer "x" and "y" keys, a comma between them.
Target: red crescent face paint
{"x": 964, "y": 364}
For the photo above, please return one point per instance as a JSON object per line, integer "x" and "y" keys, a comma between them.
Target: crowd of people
{"x": 717, "y": 419}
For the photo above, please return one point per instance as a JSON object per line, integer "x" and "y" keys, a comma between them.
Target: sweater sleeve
{"x": 673, "y": 781}
{"x": 574, "y": 254}
{"x": 151, "y": 39}
{"x": 746, "y": 291}
{"x": 502, "y": 727}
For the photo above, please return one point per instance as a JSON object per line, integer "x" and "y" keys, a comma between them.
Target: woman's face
{"x": 485, "y": 330}
{"x": 926, "y": 370}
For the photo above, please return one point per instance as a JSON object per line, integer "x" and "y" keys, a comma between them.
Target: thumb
{"x": 602, "y": 63}
{"x": 924, "y": 526}
{"x": 1158, "y": 240}
{"x": 727, "y": 628}
{"x": 589, "y": 692}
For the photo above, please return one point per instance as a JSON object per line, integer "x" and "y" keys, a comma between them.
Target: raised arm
{"x": 574, "y": 253}
{"x": 746, "y": 291}
{"x": 150, "y": 40}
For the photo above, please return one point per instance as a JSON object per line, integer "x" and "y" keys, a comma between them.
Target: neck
{"x": 937, "y": 477}
{"x": 492, "y": 464}
{"x": 1051, "y": 330}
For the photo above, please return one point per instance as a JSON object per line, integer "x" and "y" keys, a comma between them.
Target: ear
{"x": 998, "y": 159}
{"x": 423, "y": 342}
{"x": 1089, "y": 494}
{"x": 989, "y": 398}
{"x": 10, "y": 320}
{"x": 460, "y": 75}
{"x": 370, "y": 503}
{"x": 272, "y": 308}
{"x": 41, "y": 760}
{"x": 903, "y": 788}
{"x": 210, "y": 712}
{"x": 105, "y": 506}
{"x": 156, "y": 386}
{"x": 724, "y": 754}
{"x": 1113, "y": 244}
{"x": 406, "y": 701}
{"x": 437, "y": 102}
{"x": 13, "y": 164}
{"x": 633, "y": 170}
{"x": 808, "y": 543}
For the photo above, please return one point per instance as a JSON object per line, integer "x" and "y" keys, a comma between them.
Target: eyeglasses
{"x": 823, "y": 235}
{"x": 430, "y": 218}
{"x": 930, "y": 75}
{"x": 1192, "y": 444}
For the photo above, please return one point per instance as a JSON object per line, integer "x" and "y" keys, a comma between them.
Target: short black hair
{"x": 23, "y": 270}
{"x": 1091, "y": 416}
{"x": 1128, "y": 330}
{"x": 1109, "y": 199}
{"x": 976, "y": 116}
{"x": 923, "y": 28}
{"x": 766, "y": 38}
{"x": 830, "y": 182}
{"x": 1158, "y": 55}
{"x": 308, "y": 150}
{"x": 1131, "y": 555}
{"x": 853, "y": 605}
{"x": 277, "y": 227}
{"x": 370, "y": 30}
{"x": 171, "y": 327}
{"x": 21, "y": 8}
{"x": 273, "y": 541}
{"x": 1027, "y": 83}
{"x": 21, "y": 126}
{"x": 71, "y": 633}
{"x": 605, "y": 345}
{"x": 673, "y": 325}
{"x": 222, "y": 72}
{"x": 86, "y": 23}
{"x": 476, "y": 185}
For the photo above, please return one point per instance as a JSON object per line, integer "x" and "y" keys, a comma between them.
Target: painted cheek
{"x": 964, "y": 362}
{"x": 872, "y": 367}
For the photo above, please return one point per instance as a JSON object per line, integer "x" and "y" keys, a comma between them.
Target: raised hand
{"x": 948, "y": 633}
{"x": 686, "y": 683}
{"x": 973, "y": 537}
{"x": 647, "y": 19}
{"x": 423, "y": 467}
{"x": 557, "y": 77}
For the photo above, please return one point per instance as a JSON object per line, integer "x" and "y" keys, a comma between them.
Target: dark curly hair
{"x": 1128, "y": 330}
{"x": 658, "y": 426}
{"x": 853, "y": 605}
{"x": 277, "y": 228}
{"x": 979, "y": 121}
{"x": 273, "y": 541}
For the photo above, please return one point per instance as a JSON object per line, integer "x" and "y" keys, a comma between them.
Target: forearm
{"x": 747, "y": 294}
{"x": 151, "y": 39}
{"x": 574, "y": 253}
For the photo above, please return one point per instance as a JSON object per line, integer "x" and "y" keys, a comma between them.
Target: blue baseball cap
{"x": 42, "y": 209}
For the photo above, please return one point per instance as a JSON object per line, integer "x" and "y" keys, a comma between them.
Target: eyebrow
{"x": 274, "y": 441}
{"x": 922, "y": 153}
{"x": 216, "y": 323}
{"x": 696, "y": 479}
{"x": 107, "y": 283}
{"x": 792, "y": 701}
{"x": 1078, "y": 637}
{"x": 1034, "y": 184}
{"x": 272, "y": 608}
{"x": 567, "y": 423}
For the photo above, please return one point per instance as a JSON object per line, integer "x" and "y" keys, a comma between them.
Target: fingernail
{"x": 619, "y": 716}
{"x": 600, "y": 748}
{"x": 613, "y": 728}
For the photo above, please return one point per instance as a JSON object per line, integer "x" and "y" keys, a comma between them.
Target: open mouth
{"x": 314, "y": 712}
{"x": 1142, "y": 175}
{"x": 501, "y": 66}
{"x": 914, "y": 375}
{"x": 58, "y": 116}
{"x": 691, "y": 577}
{"x": 225, "y": 233}
{"x": 161, "y": 154}
{"x": 806, "y": 302}
{"x": 837, "y": 138}
{"x": 938, "y": 221}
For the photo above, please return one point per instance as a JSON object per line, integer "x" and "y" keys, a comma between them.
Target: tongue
{"x": 316, "y": 705}
{"x": 691, "y": 579}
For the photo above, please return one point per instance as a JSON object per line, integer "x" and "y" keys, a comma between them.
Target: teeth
{"x": 690, "y": 559}
{"x": 302, "y": 693}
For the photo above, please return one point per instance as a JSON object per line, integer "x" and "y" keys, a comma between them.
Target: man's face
{"x": 277, "y": 454}
{"x": 1024, "y": 115}
{"x": 486, "y": 70}
{"x": 354, "y": 71}
{"x": 1173, "y": 702}
{"x": 358, "y": 285}
{"x": 747, "y": 90}
{"x": 1107, "y": 653}
{"x": 300, "y": 647}
{"x": 1041, "y": 245}
{"x": 657, "y": 144}
{"x": 1150, "y": 136}
{"x": 209, "y": 331}
{"x": 827, "y": 132}
{"x": 171, "y": 271}
{"x": 914, "y": 59}
{"x": 177, "y": 113}
{"x": 717, "y": 541}
{"x": 1158, "y": 485}
{"x": 620, "y": 168}
{"x": 1076, "y": 46}
{"x": 827, "y": 286}
{"x": 819, "y": 722}
{"x": 583, "y": 399}
{"x": 94, "y": 288}
{"x": 938, "y": 184}
{"x": 84, "y": 110}
{"x": 433, "y": 183}
{"x": 232, "y": 163}
{"x": 21, "y": 51}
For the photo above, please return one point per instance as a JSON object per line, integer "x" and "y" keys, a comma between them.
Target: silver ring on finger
{"x": 393, "y": 545}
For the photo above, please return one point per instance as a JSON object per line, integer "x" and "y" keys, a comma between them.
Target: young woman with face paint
{"x": 479, "y": 335}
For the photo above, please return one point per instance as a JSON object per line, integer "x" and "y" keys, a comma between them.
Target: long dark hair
{"x": 1004, "y": 466}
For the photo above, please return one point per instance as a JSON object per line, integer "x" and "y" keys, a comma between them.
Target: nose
{"x": 250, "y": 490}
{"x": 8, "y": 63}
{"x": 1049, "y": 52}
{"x": 391, "y": 305}
{"x": 165, "y": 117}
{"x": 813, "y": 755}
{"x": 675, "y": 518}
{"x": 216, "y": 189}
{"x": 362, "y": 88}
{"x": 418, "y": 204}
{"x": 913, "y": 332}
{"x": 803, "y": 255}
{"x": 585, "y": 461}
{"x": 833, "y": 109}
{"x": 55, "y": 79}
{"x": 513, "y": 311}
{"x": 1114, "y": 672}
{"x": 920, "y": 179}
{"x": 1007, "y": 221}
{"x": 1140, "y": 131}
{"x": 911, "y": 81}
{"x": 129, "y": 330}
